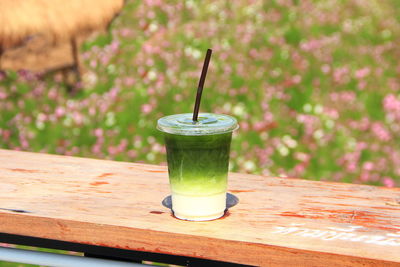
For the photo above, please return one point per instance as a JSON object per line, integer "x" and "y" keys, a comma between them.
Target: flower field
{"x": 315, "y": 86}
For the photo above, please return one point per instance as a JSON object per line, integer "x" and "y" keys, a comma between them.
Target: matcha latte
{"x": 198, "y": 158}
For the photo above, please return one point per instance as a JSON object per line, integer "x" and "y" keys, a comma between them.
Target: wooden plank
{"x": 278, "y": 222}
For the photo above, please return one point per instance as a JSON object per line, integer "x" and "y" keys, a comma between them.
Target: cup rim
{"x": 173, "y": 124}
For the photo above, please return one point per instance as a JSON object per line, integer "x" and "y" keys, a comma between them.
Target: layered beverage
{"x": 198, "y": 159}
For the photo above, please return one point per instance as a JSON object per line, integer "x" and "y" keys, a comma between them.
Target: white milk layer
{"x": 198, "y": 208}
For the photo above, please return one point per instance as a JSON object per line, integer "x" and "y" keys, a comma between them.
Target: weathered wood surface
{"x": 278, "y": 222}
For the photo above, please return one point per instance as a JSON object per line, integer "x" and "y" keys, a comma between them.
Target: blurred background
{"x": 315, "y": 85}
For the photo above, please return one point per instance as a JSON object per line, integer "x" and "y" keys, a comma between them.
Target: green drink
{"x": 198, "y": 159}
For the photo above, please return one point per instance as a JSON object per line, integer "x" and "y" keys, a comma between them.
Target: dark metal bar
{"x": 111, "y": 253}
{"x": 58, "y": 260}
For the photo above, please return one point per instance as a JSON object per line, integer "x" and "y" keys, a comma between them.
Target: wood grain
{"x": 278, "y": 222}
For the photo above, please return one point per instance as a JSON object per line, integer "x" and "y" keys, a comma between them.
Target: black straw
{"x": 201, "y": 84}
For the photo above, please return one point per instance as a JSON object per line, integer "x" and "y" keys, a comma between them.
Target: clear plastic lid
{"x": 207, "y": 124}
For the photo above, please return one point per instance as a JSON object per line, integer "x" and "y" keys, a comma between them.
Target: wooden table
{"x": 106, "y": 207}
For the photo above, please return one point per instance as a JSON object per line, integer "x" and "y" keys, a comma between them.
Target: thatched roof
{"x": 57, "y": 19}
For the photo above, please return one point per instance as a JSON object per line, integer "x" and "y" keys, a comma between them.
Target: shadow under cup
{"x": 198, "y": 160}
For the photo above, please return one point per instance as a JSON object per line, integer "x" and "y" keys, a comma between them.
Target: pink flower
{"x": 268, "y": 117}
{"x": 392, "y": 106}
{"x": 3, "y": 95}
{"x": 388, "y": 182}
{"x": 362, "y": 85}
{"x": 380, "y": 132}
{"x": 325, "y": 68}
{"x": 114, "y": 46}
{"x": 332, "y": 113}
{"x": 78, "y": 117}
{"x": 368, "y": 166}
{"x": 132, "y": 153}
{"x": 365, "y": 177}
{"x": 260, "y": 126}
{"x": 60, "y": 111}
{"x": 42, "y": 117}
{"x": 153, "y": 2}
{"x": 128, "y": 81}
{"x": 73, "y": 151}
{"x": 334, "y": 96}
{"x": 391, "y": 103}
{"x": 60, "y": 150}
{"x": 98, "y": 132}
{"x": 122, "y": 145}
{"x": 348, "y": 96}
{"x": 351, "y": 167}
{"x": 309, "y": 121}
{"x": 125, "y": 32}
{"x": 146, "y": 108}
{"x": 364, "y": 124}
{"x": 253, "y": 53}
{"x": 156, "y": 147}
{"x": 263, "y": 155}
{"x": 24, "y": 143}
{"x": 311, "y": 45}
{"x": 93, "y": 63}
{"x": 112, "y": 150}
{"x": 340, "y": 75}
{"x": 150, "y": 62}
{"x": 227, "y": 69}
{"x": 374, "y": 177}
{"x": 361, "y": 146}
{"x": 38, "y": 91}
{"x": 296, "y": 79}
{"x": 151, "y": 91}
{"x": 299, "y": 168}
{"x": 92, "y": 111}
{"x": 244, "y": 90}
{"x": 178, "y": 97}
{"x": 96, "y": 149}
{"x": 114, "y": 92}
{"x": 362, "y": 73}
{"x": 302, "y": 156}
{"x": 53, "y": 93}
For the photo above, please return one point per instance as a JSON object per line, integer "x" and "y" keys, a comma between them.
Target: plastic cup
{"x": 198, "y": 160}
